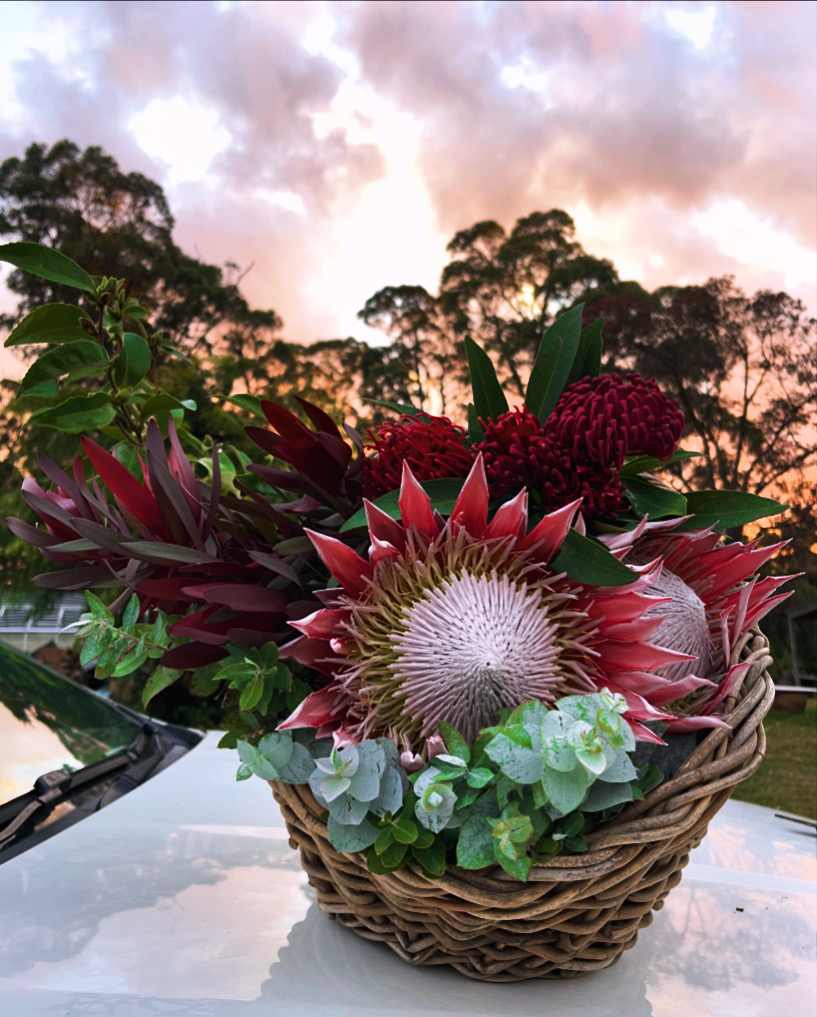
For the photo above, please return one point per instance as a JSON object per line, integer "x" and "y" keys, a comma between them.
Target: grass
{"x": 787, "y": 778}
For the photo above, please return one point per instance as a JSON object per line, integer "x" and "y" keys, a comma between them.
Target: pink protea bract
{"x": 454, "y": 621}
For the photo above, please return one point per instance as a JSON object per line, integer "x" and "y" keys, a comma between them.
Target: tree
{"x": 743, "y": 368}
{"x": 119, "y": 224}
{"x": 116, "y": 223}
{"x": 502, "y": 289}
{"x": 433, "y": 367}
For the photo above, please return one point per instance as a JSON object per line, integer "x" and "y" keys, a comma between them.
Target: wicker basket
{"x": 577, "y": 913}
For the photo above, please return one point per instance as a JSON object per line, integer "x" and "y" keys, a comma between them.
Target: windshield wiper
{"x": 57, "y": 785}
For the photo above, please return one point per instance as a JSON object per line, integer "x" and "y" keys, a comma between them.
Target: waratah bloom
{"x": 432, "y": 446}
{"x": 453, "y": 621}
{"x": 521, "y": 452}
{"x": 613, "y": 415}
{"x": 711, "y": 599}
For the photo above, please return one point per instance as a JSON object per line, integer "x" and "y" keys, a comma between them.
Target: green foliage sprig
{"x": 528, "y": 788}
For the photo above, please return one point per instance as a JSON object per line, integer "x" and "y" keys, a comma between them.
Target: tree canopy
{"x": 742, "y": 366}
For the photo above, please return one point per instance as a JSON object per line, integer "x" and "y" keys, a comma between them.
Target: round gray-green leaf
{"x": 351, "y": 838}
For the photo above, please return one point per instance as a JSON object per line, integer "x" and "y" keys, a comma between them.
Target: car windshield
{"x": 48, "y": 723}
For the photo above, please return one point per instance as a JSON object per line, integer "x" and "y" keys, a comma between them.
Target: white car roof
{"x": 183, "y": 899}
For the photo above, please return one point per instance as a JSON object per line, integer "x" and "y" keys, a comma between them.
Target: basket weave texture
{"x": 576, "y": 913}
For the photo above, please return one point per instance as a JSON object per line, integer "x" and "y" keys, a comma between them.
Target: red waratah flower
{"x": 432, "y": 446}
{"x": 711, "y": 598}
{"x": 453, "y": 621}
{"x": 612, "y": 415}
{"x": 521, "y": 452}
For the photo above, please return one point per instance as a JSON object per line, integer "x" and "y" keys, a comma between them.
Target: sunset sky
{"x": 337, "y": 146}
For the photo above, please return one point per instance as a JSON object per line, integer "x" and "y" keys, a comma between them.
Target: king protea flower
{"x": 454, "y": 621}
{"x": 710, "y": 599}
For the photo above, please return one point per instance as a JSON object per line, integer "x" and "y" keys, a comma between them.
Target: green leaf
{"x": 489, "y": 399}
{"x": 78, "y": 414}
{"x": 47, "y": 264}
{"x": 133, "y": 363}
{"x": 384, "y": 840}
{"x": 79, "y": 359}
{"x": 726, "y": 509}
{"x": 249, "y": 403}
{"x": 405, "y": 831}
{"x": 404, "y": 408}
{"x": 162, "y": 678}
{"x": 479, "y": 777}
{"x": 51, "y": 323}
{"x": 431, "y": 859}
{"x": 588, "y": 356}
{"x": 132, "y": 661}
{"x": 476, "y": 432}
{"x": 519, "y": 868}
{"x": 554, "y": 362}
{"x": 251, "y": 695}
{"x": 475, "y": 845}
{"x": 130, "y": 615}
{"x": 653, "y": 500}
{"x": 454, "y": 742}
{"x": 97, "y": 608}
{"x": 649, "y": 464}
{"x": 587, "y": 561}
{"x": 443, "y": 493}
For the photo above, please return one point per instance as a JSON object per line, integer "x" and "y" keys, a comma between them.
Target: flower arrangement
{"x": 472, "y": 647}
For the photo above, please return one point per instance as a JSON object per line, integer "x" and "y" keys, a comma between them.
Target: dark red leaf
{"x": 239, "y": 596}
{"x": 322, "y": 421}
{"x": 284, "y": 422}
{"x": 124, "y": 486}
{"x": 193, "y": 655}
{"x": 160, "y": 553}
{"x": 59, "y": 477}
{"x": 263, "y": 438}
{"x": 163, "y": 589}
{"x": 168, "y": 491}
{"x": 275, "y": 564}
{"x": 104, "y": 537}
{"x": 80, "y": 578}
{"x": 30, "y": 534}
{"x": 181, "y": 468}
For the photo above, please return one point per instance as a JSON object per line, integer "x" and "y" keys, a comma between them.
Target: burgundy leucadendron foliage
{"x": 180, "y": 544}
{"x": 325, "y": 470}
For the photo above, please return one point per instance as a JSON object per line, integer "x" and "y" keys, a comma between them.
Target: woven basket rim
{"x": 723, "y": 758}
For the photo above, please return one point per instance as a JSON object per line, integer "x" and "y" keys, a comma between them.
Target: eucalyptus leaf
{"x": 565, "y": 790}
{"x": 605, "y": 796}
{"x": 350, "y": 839}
